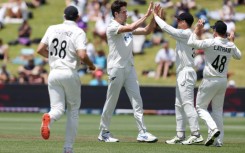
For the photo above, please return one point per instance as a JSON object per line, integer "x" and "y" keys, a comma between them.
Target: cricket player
{"x": 186, "y": 78}
{"x": 121, "y": 69}
{"x": 218, "y": 52}
{"x": 65, "y": 47}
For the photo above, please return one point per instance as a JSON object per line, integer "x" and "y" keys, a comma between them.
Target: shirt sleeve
{"x": 237, "y": 54}
{"x": 113, "y": 29}
{"x": 45, "y": 38}
{"x": 194, "y": 42}
{"x": 80, "y": 41}
{"x": 176, "y": 33}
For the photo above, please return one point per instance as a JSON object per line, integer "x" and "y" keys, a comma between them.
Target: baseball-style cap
{"x": 71, "y": 13}
{"x": 220, "y": 27}
{"x": 187, "y": 17}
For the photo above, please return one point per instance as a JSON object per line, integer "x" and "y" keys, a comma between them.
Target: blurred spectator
{"x": 100, "y": 60}
{"x": 157, "y": 36}
{"x": 166, "y": 3}
{"x": 100, "y": 28}
{"x": 227, "y": 12}
{"x": 105, "y": 7}
{"x": 27, "y": 69}
{"x": 22, "y": 78}
{"x": 33, "y": 74}
{"x": 91, "y": 52}
{"x": 24, "y": 33}
{"x": 3, "y": 51}
{"x": 98, "y": 81}
{"x": 5, "y": 76}
{"x": 239, "y": 2}
{"x": 138, "y": 39}
{"x": 35, "y": 3}
{"x": 231, "y": 84}
{"x": 43, "y": 72}
{"x": 202, "y": 14}
{"x": 35, "y": 77}
{"x": 231, "y": 27}
{"x": 180, "y": 7}
{"x": 81, "y": 7}
{"x": 83, "y": 23}
{"x": 14, "y": 11}
{"x": 199, "y": 62}
{"x": 191, "y": 4}
{"x": 165, "y": 60}
{"x": 138, "y": 2}
{"x": 93, "y": 10}
{"x": 25, "y": 55}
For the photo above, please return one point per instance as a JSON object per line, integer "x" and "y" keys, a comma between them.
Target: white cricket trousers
{"x": 184, "y": 102}
{"x": 64, "y": 87}
{"x": 118, "y": 78}
{"x": 212, "y": 89}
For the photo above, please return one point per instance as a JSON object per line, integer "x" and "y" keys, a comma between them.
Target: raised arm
{"x": 131, "y": 27}
{"x": 146, "y": 30}
{"x": 176, "y": 33}
{"x": 193, "y": 40}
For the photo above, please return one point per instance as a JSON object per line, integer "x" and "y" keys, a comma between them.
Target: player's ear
{"x": 78, "y": 17}
{"x": 116, "y": 14}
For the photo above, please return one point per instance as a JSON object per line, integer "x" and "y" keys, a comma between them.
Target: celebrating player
{"x": 218, "y": 52}
{"x": 64, "y": 46}
{"x": 186, "y": 78}
{"x": 121, "y": 69}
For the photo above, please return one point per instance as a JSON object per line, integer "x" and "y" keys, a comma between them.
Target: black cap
{"x": 71, "y": 13}
{"x": 187, "y": 17}
{"x": 220, "y": 27}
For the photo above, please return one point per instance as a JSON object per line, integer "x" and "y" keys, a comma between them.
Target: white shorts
{"x": 64, "y": 88}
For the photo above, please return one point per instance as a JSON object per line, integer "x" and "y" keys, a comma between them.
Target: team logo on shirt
{"x": 128, "y": 37}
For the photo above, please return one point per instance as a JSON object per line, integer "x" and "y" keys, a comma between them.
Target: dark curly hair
{"x": 116, "y": 6}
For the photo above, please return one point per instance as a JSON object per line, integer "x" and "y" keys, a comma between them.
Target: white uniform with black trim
{"x": 64, "y": 84}
{"x": 186, "y": 77}
{"x": 218, "y": 52}
{"x": 121, "y": 73}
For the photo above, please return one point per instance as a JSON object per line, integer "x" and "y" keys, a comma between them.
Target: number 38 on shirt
{"x": 59, "y": 48}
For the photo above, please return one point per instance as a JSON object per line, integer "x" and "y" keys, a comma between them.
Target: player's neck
{"x": 120, "y": 21}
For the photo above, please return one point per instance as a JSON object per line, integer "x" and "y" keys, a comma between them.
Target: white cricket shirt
{"x": 184, "y": 52}
{"x": 63, "y": 41}
{"x": 120, "y": 46}
{"x": 218, "y": 52}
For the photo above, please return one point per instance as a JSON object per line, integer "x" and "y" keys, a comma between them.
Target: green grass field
{"x": 52, "y": 13}
{"x": 19, "y": 133}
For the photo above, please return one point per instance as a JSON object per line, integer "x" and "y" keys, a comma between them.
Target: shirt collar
{"x": 221, "y": 39}
{"x": 69, "y": 22}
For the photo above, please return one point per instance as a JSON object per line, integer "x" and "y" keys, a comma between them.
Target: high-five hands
{"x": 149, "y": 11}
{"x": 200, "y": 23}
{"x": 199, "y": 27}
{"x": 231, "y": 37}
{"x": 157, "y": 8}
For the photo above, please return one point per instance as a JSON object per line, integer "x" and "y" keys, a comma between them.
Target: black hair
{"x": 116, "y": 6}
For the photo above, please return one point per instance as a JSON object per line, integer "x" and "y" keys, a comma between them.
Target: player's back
{"x": 217, "y": 57}
{"x": 63, "y": 42}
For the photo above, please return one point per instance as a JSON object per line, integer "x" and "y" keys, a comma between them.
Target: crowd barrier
{"x": 156, "y": 100}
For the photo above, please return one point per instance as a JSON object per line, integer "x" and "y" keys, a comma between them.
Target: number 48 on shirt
{"x": 219, "y": 64}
